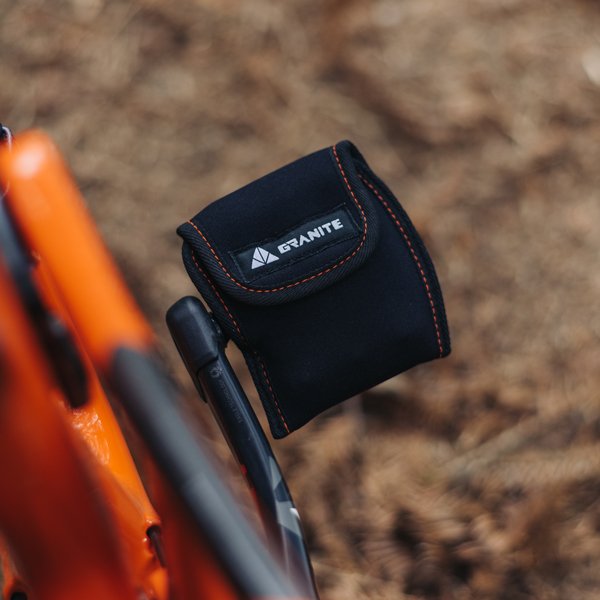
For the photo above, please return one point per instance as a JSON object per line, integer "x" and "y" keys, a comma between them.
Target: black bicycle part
{"x": 202, "y": 348}
{"x": 53, "y": 335}
{"x": 152, "y": 404}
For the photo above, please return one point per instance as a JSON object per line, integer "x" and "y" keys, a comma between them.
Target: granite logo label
{"x": 310, "y": 238}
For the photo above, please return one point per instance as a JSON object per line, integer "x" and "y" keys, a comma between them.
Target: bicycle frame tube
{"x": 50, "y": 216}
{"x": 65, "y": 544}
{"x": 124, "y": 492}
{"x": 124, "y": 495}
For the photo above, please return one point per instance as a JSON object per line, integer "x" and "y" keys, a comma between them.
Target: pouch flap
{"x": 290, "y": 233}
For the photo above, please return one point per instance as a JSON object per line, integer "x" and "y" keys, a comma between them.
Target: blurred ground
{"x": 477, "y": 477}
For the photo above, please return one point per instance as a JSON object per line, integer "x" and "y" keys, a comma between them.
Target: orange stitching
{"x": 416, "y": 258}
{"x": 237, "y": 327}
{"x": 262, "y": 364}
{"x": 212, "y": 285}
{"x": 290, "y": 285}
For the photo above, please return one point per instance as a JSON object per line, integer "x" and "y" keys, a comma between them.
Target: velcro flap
{"x": 290, "y": 233}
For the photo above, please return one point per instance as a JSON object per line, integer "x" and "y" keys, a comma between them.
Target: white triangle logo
{"x": 262, "y": 257}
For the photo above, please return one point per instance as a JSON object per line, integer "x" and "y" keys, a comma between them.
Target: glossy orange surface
{"x": 51, "y": 216}
{"x": 77, "y": 520}
{"x": 125, "y": 494}
{"x": 51, "y": 514}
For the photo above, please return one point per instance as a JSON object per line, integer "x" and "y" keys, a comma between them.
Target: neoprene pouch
{"x": 318, "y": 275}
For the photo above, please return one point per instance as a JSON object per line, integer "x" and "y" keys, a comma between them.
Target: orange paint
{"x": 53, "y": 519}
{"x": 124, "y": 495}
{"x": 73, "y": 509}
{"x": 51, "y": 216}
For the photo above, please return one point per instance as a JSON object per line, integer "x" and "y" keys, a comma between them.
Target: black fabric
{"x": 340, "y": 295}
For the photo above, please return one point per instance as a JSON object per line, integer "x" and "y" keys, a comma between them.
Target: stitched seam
{"x": 324, "y": 272}
{"x": 237, "y": 327}
{"x": 264, "y": 370}
{"x": 416, "y": 259}
{"x": 214, "y": 289}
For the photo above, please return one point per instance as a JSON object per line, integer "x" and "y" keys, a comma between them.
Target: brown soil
{"x": 477, "y": 477}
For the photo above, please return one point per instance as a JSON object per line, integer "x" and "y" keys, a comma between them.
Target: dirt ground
{"x": 474, "y": 478}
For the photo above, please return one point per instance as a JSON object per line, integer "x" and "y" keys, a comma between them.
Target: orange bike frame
{"x": 76, "y": 516}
